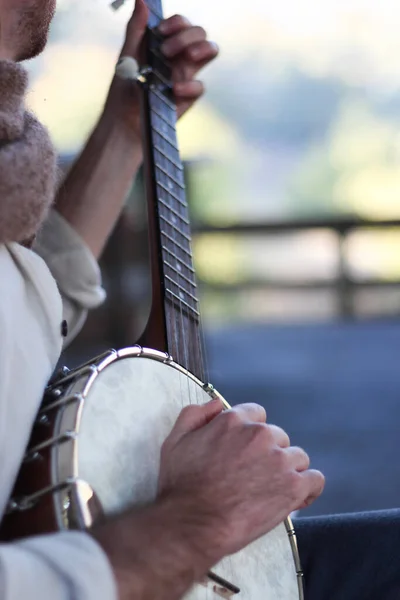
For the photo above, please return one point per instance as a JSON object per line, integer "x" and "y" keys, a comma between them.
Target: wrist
{"x": 113, "y": 124}
{"x": 154, "y": 551}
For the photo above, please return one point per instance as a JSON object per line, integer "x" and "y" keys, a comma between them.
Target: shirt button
{"x": 64, "y": 328}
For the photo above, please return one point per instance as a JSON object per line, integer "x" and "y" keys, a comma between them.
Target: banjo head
{"x": 127, "y": 405}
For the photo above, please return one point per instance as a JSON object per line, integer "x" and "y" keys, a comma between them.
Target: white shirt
{"x": 65, "y": 565}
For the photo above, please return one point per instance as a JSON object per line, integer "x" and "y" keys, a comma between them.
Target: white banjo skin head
{"x": 129, "y": 409}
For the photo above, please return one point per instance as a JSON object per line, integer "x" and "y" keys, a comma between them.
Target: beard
{"x": 33, "y": 27}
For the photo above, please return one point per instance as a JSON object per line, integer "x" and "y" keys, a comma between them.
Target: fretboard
{"x": 170, "y": 209}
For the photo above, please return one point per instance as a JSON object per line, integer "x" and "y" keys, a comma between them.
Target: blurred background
{"x": 293, "y": 174}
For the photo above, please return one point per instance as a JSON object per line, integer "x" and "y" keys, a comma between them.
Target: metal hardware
{"x": 60, "y": 374}
{"x": 143, "y": 75}
{"x": 27, "y": 502}
{"x": 42, "y": 420}
{"x": 54, "y": 441}
{"x": 208, "y": 387}
{"x": 62, "y": 402}
{"x": 221, "y": 586}
{"x": 88, "y": 368}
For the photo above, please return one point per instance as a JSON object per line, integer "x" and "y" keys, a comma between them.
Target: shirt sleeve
{"x": 74, "y": 268}
{"x": 63, "y": 566}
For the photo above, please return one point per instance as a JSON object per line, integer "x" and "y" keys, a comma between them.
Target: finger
{"x": 280, "y": 436}
{"x": 204, "y": 51}
{"x": 135, "y": 30}
{"x": 250, "y": 412}
{"x": 299, "y": 459}
{"x": 314, "y": 483}
{"x": 194, "y": 416}
{"x": 173, "y": 25}
{"x": 189, "y": 90}
{"x": 178, "y": 43}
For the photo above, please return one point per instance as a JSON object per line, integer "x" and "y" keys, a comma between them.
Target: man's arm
{"x": 93, "y": 194}
{"x": 146, "y": 555}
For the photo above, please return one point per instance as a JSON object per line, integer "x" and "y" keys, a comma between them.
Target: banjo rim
{"x": 76, "y": 505}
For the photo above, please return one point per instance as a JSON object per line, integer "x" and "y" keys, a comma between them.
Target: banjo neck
{"x": 174, "y": 322}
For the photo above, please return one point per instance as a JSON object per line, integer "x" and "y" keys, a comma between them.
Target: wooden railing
{"x": 343, "y": 285}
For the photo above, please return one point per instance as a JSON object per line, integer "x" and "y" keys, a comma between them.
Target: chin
{"x": 35, "y": 26}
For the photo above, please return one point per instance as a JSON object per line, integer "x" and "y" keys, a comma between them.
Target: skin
{"x": 226, "y": 477}
{"x": 24, "y": 27}
{"x": 113, "y": 153}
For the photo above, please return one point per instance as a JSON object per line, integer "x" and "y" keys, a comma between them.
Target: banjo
{"x": 95, "y": 444}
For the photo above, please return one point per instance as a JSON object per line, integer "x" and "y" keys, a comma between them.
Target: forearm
{"x": 154, "y": 553}
{"x": 93, "y": 194}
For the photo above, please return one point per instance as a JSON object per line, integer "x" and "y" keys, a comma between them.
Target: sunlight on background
{"x": 301, "y": 118}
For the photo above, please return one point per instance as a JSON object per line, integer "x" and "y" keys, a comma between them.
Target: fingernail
{"x": 163, "y": 27}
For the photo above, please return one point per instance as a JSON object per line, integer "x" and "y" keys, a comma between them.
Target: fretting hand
{"x": 187, "y": 49}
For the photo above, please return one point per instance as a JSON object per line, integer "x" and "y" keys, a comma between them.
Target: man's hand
{"x": 233, "y": 475}
{"x": 226, "y": 478}
{"x": 187, "y": 49}
{"x": 24, "y": 27}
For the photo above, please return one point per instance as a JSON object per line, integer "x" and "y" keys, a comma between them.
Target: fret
{"x": 169, "y": 218}
{"x": 177, "y": 244}
{"x": 156, "y": 52}
{"x": 186, "y": 237}
{"x": 181, "y": 290}
{"x": 163, "y": 117}
{"x": 177, "y": 193}
{"x": 168, "y": 168}
{"x": 163, "y": 155}
{"x": 165, "y": 128}
{"x": 167, "y": 148}
{"x": 174, "y": 212}
{"x": 163, "y": 99}
{"x": 177, "y": 181}
{"x": 172, "y": 194}
{"x": 180, "y": 274}
{"x": 181, "y": 301}
{"x": 179, "y": 260}
{"x": 166, "y": 184}
{"x": 165, "y": 137}
{"x": 167, "y": 82}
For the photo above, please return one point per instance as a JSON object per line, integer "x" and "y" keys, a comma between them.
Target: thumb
{"x": 135, "y": 29}
{"x": 194, "y": 417}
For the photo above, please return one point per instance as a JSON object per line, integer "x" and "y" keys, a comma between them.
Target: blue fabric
{"x": 351, "y": 556}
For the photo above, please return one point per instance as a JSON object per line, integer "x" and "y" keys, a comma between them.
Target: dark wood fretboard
{"x": 175, "y": 307}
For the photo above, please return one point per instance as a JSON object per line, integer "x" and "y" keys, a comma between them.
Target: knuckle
{"x": 260, "y": 434}
{"x": 180, "y": 21}
{"x": 231, "y": 419}
{"x": 295, "y": 485}
{"x": 187, "y": 411}
{"x": 201, "y": 31}
{"x": 279, "y": 458}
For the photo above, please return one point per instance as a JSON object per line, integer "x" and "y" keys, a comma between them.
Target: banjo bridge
{"x": 220, "y": 586}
